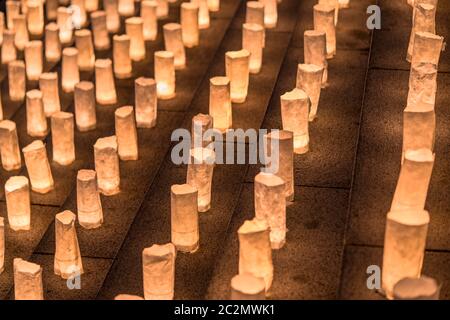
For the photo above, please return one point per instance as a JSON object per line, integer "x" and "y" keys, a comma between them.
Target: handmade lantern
{"x": 36, "y": 121}
{"x": 48, "y": 85}
{"x": 107, "y": 165}
{"x": 84, "y": 97}
{"x": 419, "y": 125}
{"x": 85, "y": 47}
{"x": 315, "y": 51}
{"x": 344, "y": 4}
{"x": 65, "y": 24}
{"x": 255, "y": 12}
{"x": 255, "y": 254}
{"x": 67, "y": 253}
{"x": 34, "y": 60}
{"x": 189, "y": 24}
{"x": 427, "y": 48}
{"x": 70, "y": 72}
{"x": 16, "y": 80}
{"x": 79, "y": 17}
{"x": 146, "y": 101}
{"x": 424, "y": 20}
{"x": 149, "y": 19}
{"x": 121, "y": 56}
{"x": 27, "y": 280}
{"x": 18, "y": 205}
{"x": 35, "y": 17}
{"x": 203, "y": 13}
{"x": 422, "y": 86}
{"x": 91, "y": 5}
{"x": 126, "y": 133}
{"x": 173, "y": 42}
{"x": 127, "y": 297}
{"x": 158, "y": 264}
{"x": 200, "y": 174}
{"x": 63, "y": 138}
{"x": 165, "y": 74}
{"x": 220, "y": 103}
{"x": 253, "y": 41}
{"x": 214, "y": 5}
{"x": 270, "y": 13}
{"x": 12, "y": 10}
{"x": 404, "y": 246}
{"x": 100, "y": 31}
{"x": 105, "y": 89}
{"x": 9, "y": 146}
{"x": 247, "y": 287}
{"x": 21, "y": 37}
{"x": 423, "y": 288}
{"x": 237, "y": 66}
{"x": 134, "y": 27}
{"x": 126, "y": 8}
{"x": 112, "y": 15}
{"x": 2, "y": 245}
{"x": 38, "y": 167}
{"x": 200, "y": 124}
{"x": 184, "y": 217}
{"x": 162, "y": 10}
{"x": 309, "y": 79}
{"x": 324, "y": 21}
{"x": 89, "y": 205}
{"x": 9, "y": 52}
{"x": 335, "y": 5}
{"x": 52, "y": 43}
{"x": 412, "y": 185}
{"x": 51, "y": 9}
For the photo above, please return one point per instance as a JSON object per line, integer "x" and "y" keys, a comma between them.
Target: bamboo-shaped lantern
{"x": 100, "y": 31}
{"x": 9, "y": 146}
{"x": 89, "y": 205}
{"x": 237, "y": 66}
{"x": 48, "y": 85}
{"x": 123, "y": 68}
{"x": 16, "y": 80}
{"x": 105, "y": 88}
{"x": 112, "y": 15}
{"x": 27, "y": 280}
{"x": 52, "y": 43}
{"x": 85, "y": 46}
{"x": 65, "y": 24}
{"x": 126, "y": 133}
{"x": 63, "y": 138}
{"x": 324, "y": 21}
{"x": 253, "y": 42}
{"x": 149, "y": 19}
{"x": 165, "y": 74}
{"x": 315, "y": 51}
{"x": 247, "y": 287}
{"x": 309, "y": 79}
{"x": 174, "y": 42}
{"x": 423, "y": 288}
{"x": 220, "y": 103}
{"x": 146, "y": 101}
{"x": 107, "y": 165}
{"x": 189, "y": 24}
{"x": 134, "y": 28}
{"x": 38, "y": 167}
{"x": 18, "y": 205}
{"x": 36, "y": 120}
{"x": 424, "y": 20}
{"x": 70, "y": 74}
{"x": 84, "y": 97}
{"x": 34, "y": 60}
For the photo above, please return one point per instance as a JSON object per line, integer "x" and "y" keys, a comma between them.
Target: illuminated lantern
{"x": 427, "y": 48}
{"x": 89, "y": 205}
{"x": 12, "y": 10}
{"x": 16, "y": 80}
{"x": 63, "y": 138}
{"x": 38, "y": 167}
{"x": 255, "y": 14}
{"x": 126, "y": 8}
{"x": 2, "y": 26}
{"x": 135, "y": 31}
{"x": 126, "y": 133}
{"x": 158, "y": 264}
{"x": 85, "y": 47}
{"x": 112, "y": 15}
{"x": 200, "y": 124}
{"x": 51, "y": 9}
{"x": 203, "y": 13}
{"x": 422, "y": 86}
{"x": 315, "y": 51}
{"x": 65, "y": 24}
{"x": 309, "y": 79}
{"x": 2, "y": 245}
{"x": 165, "y": 74}
{"x": 173, "y": 42}
{"x": 105, "y": 89}
{"x": 247, "y": 287}
{"x": 67, "y": 253}
{"x": 70, "y": 72}
{"x": 34, "y": 60}
{"x": 107, "y": 165}
{"x": 424, "y": 20}
{"x": 123, "y": 68}
{"x": 214, "y": 5}
{"x": 9, "y": 146}
{"x": 335, "y": 5}
{"x": 127, "y": 297}
{"x": 100, "y": 31}
{"x": 35, "y": 17}
{"x": 270, "y": 13}
{"x": 9, "y": 52}
{"x": 79, "y": 15}
{"x": 344, "y": 4}
{"x": 48, "y": 85}
{"x": 200, "y": 174}
{"x": 423, "y": 288}
{"x": 237, "y": 65}
{"x": 255, "y": 253}
{"x": 36, "y": 120}
{"x": 404, "y": 246}
{"x": 419, "y": 125}
{"x": 52, "y": 43}
{"x": 149, "y": 19}
{"x": 90, "y": 5}
{"x": 18, "y": 205}
{"x": 283, "y": 164}
{"x": 412, "y": 185}
{"x": 21, "y": 37}
{"x": 84, "y": 97}
{"x": 184, "y": 217}
{"x": 220, "y": 103}
{"x": 162, "y": 10}
{"x": 324, "y": 21}
{"x": 189, "y": 24}
{"x": 27, "y": 280}
{"x": 253, "y": 41}
{"x": 146, "y": 101}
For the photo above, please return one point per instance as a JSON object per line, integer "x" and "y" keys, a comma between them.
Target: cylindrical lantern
{"x": 63, "y": 138}
{"x": 48, "y": 85}
{"x": 100, "y": 31}
{"x": 9, "y": 146}
{"x": 237, "y": 65}
{"x": 149, "y": 19}
{"x": 126, "y": 8}
{"x": 67, "y": 253}
{"x": 255, "y": 253}
{"x": 105, "y": 88}
{"x": 65, "y": 24}
{"x": 84, "y": 97}
{"x": 146, "y": 101}
{"x": 126, "y": 133}
{"x": 90, "y": 5}
{"x": 85, "y": 47}
{"x": 253, "y": 41}
{"x": 38, "y": 167}
{"x": 123, "y": 68}
{"x": 165, "y": 74}
{"x": 315, "y": 51}
{"x": 89, "y": 205}
{"x": 220, "y": 103}
{"x": 309, "y": 79}
{"x": 162, "y": 10}
{"x": 200, "y": 124}
{"x": 18, "y": 205}
{"x": 36, "y": 120}
{"x": 422, "y": 86}
{"x": 9, "y": 52}
{"x": 21, "y": 37}
{"x": 70, "y": 73}
{"x": 35, "y": 17}
{"x": 419, "y": 126}
{"x": 270, "y": 13}
{"x": 112, "y": 15}
{"x": 189, "y": 24}
{"x": 79, "y": 16}
{"x": 158, "y": 266}
{"x": 255, "y": 12}
{"x": 134, "y": 28}
{"x": 107, "y": 165}
{"x": 247, "y": 287}
{"x": 404, "y": 247}
{"x": 214, "y": 5}
{"x": 174, "y": 42}
{"x": 52, "y": 43}
{"x": 34, "y": 60}
{"x": 335, "y": 5}
{"x": 427, "y": 48}
{"x": 12, "y": 10}
{"x": 184, "y": 217}
{"x": 16, "y": 80}
{"x": 27, "y": 280}
{"x": 423, "y": 288}
{"x": 203, "y": 13}
{"x": 51, "y": 9}
{"x": 424, "y": 20}
{"x": 324, "y": 21}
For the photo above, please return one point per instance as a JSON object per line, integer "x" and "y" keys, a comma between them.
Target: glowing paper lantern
{"x": 335, "y": 5}
{"x": 34, "y": 60}
{"x": 126, "y": 133}
{"x": 123, "y": 68}
{"x": 270, "y": 13}
{"x": 162, "y": 11}
{"x": 27, "y": 280}
{"x": 18, "y": 205}
{"x": 70, "y": 72}
{"x": 35, "y": 17}
{"x": 63, "y": 138}
{"x": 189, "y": 24}
{"x": 165, "y": 74}
{"x": 79, "y": 15}
{"x": 36, "y": 121}
{"x": 51, "y": 9}
{"x": 423, "y": 288}
{"x": 309, "y": 79}
{"x": 2, "y": 244}
{"x": 52, "y": 43}
{"x": 424, "y": 20}
{"x": 126, "y": 8}
{"x": 419, "y": 125}
{"x": 85, "y": 47}
{"x": 422, "y": 86}
{"x": 324, "y": 21}
{"x": 184, "y": 217}
{"x": 344, "y": 4}
{"x": 200, "y": 124}
{"x": 107, "y": 165}
{"x": 105, "y": 89}
{"x": 67, "y": 253}
{"x": 173, "y": 42}
{"x": 112, "y": 15}
{"x": 100, "y": 31}
{"x": 315, "y": 51}
{"x": 146, "y": 101}
{"x": 127, "y": 297}
{"x": 404, "y": 246}
{"x": 84, "y": 97}
{"x": 135, "y": 31}
{"x": 9, "y": 146}
{"x": 253, "y": 42}
{"x": 200, "y": 174}
{"x": 220, "y": 103}
{"x": 91, "y": 5}
{"x": 255, "y": 12}
{"x": 203, "y": 13}
{"x": 214, "y": 5}
{"x": 89, "y": 205}
{"x": 65, "y": 24}
{"x": 48, "y": 85}
{"x": 255, "y": 253}
{"x": 21, "y": 37}
{"x": 12, "y": 10}
{"x": 158, "y": 264}
{"x": 149, "y": 19}
{"x": 237, "y": 65}
{"x": 16, "y": 80}
{"x": 247, "y": 287}
{"x": 38, "y": 167}
{"x": 427, "y": 48}
{"x": 9, "y": 52}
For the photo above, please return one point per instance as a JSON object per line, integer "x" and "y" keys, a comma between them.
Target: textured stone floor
{"x": 344, "y": 185}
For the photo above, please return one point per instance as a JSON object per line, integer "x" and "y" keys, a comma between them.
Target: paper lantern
{"x": 309, "y": 79}
{"x": 91, "y": 5}
{"x": 89, "y": 205}
{"x": 237, "y": 66}
{"x": 67, "y": 253}
{"x": 145, "y": 97}
{"x": 344, "y": 4}
{"x": 422, "y": 86}
{"x": 424, "y": 20}
{"x": 404, "y": 246}
{"x": 162, "y": 10}
{"x": 12, "y": 10}
{"x": 16, "y": 80}
{"x": 85, "y": 47}
{"x": 165, "y": 74}
{"x": 18, "y": 205}
{"x": 100, "y": 31}
{"x": 135, "y": 31}
{"x": 9, "y": 52}
{"x": 126, "y": 8}
{"x": 419, "y": 125}
{"x": 105, "y": 88}
{"x": 9, "y": 146}
{"x": 36, "y": 120}
{"x": 35, "y": 17}
{"x": 34, "y": 60}
{"x": 21, "y": 37}
{"x": 127, "y": 297}
{"x": 158, "y": 264}
{"x": 270, "y": 13}
{"x": 335, "y": 5}
{"x": 427, "y": 48}
{"x": 107, "y": 165}
{"x": 247, "y": 287}
{"x": 220, "y": 103}
{"x": 27, "y": 280}
{"x": 189, "y": 24}
{"x": 324, "y": 21}
{"x": 423, "y": 288}
{"x": 51, "y": 9}
{"x": 149, "y": 19}
{"x": 255, "y": 12}
{"x": 48, "y": 85}
{"x": 112, "y": 15}
{"x": 412, "y": 185}
{"x": 253, "y": 42}
{"x": 255, "y": 253}
{"x": 52, "y": 43}
{"x": 184, "y": 217}
{"x": 214, "y": 5}
{"x": 315, "y": 51}
{"x": 84, "y": 97}
{"x": 200, "y": 124}
{"x": 203, "y": 13}
{"x": 200, "y": 174}
{"x": 65, "y": 24}
{"x": 173, "y": 42}
{"x": 126, "y": 133}
{"x": 79, "y": 17}
{"x": 123, "y": 68}
{"x": 70, "y": 74}
{"x": 38, "y": 167}
{"x": 63, "y": 138}
{"x": 2, "y": 245}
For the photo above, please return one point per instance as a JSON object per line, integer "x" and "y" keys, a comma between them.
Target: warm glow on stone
{"x": 423, "y": 288}
{"x": 419, "y": 126}
{"x": 70, "y": 72}
{"x": 189, "y": 24}
{"x": 123, "y": 68}
{"x": 427, "y": 48}
{"x": 34, "y": 60}
{"x": 16, "y": 80}
{"x": 162, "y": 11}
{"x": 247, "y": 287}
{"x": 324, "y": 21}
{"x": 85, "y": 46}
{"x": 84, "y": 97}
{"x": 63, "y": 138}
{"x": 27, "y": 280}
{"x": 309, "y": 79}
{"x": 174, "y": 42}
{"x": 126, "y": 8}
{"x": 9, "y": 52}
{"x": 48, "y": 85}
{"x": 424, "y": 20}
{"x": 315, "y": 51}
{"x": 35, "y": 17}
{"x": 149, "y": 19}
{"x": 422, "y": 86}
{"x": 134, "y": 28}
{"x": 38, "y": 167}
{"x": 18, "y": 205}
{"x": 21, "y": 37}
{"x": 237, "y": 66}
{"x": 89, "y": 205}
{"x": 112, "y": 15}
{"x": 100, "y": 31}
{"x": 52, "y": 43}
{"x": 105, "y": 88}
{"x": 146, "y": 102}
{"x": 36, "y": 120}
{"x": 200, "y": 175}
{"x": 9, "y": 146}
{"x": 65, "y": 24}
{"x": 107, "y": 165}
{"x": 270, "y": 13}
{"x": 126, "y": 133}
{"x": 220, "y": 103}
{"x": 165, "y": 74}
{"x": 294, "y": 113}
{"x": 203, "y": 13}
{"x": 253, "y": 42}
